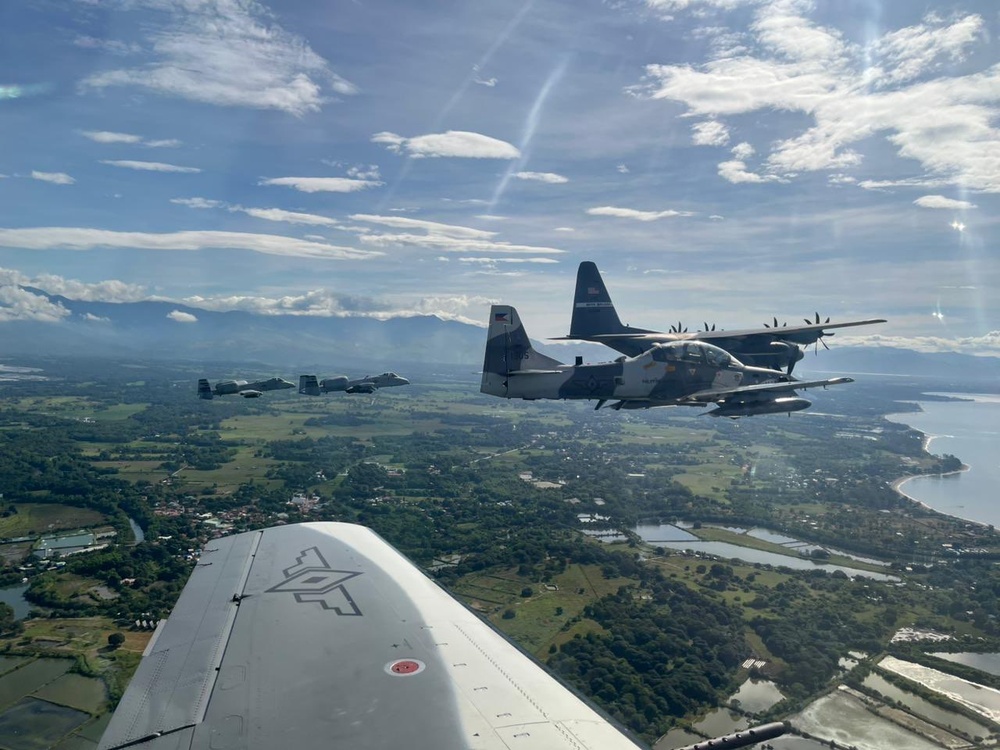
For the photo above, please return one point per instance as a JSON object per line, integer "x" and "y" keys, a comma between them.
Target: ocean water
{"x": 971, "y": 431}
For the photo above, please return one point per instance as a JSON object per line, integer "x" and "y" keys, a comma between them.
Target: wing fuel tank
{"x": 769, "y": 406}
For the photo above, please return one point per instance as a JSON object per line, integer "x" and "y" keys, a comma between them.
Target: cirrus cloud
{"x": 229, "y": 53}
{"x": 322, "y": 184}
{"x": 635, "y": 214}
{"x": 149, "y": 166}
{"x": 79, "y": 238}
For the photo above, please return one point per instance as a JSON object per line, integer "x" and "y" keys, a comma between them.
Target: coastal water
{"x": 969, "y": 430}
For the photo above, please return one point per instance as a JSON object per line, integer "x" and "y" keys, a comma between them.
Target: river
{"x": 969, "y": 430}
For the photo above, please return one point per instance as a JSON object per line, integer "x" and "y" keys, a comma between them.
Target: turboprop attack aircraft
{"x": 254, "y": 389}
{"x": 310, "y": 386}
{"x": 679, "y": 373}
{"x": 773, "y": 346}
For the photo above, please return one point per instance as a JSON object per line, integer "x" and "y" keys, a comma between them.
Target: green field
{"x": 33, "y": 519}
{"x": 536, "y": 623}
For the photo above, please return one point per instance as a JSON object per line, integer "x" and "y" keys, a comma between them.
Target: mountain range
{"x": 155, "y": 330}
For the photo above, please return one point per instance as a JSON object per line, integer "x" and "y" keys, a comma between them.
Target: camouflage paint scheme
{"x": 690, "y": 373}
{"x": 241, "y": 387}
{"x": 310, "y": 386}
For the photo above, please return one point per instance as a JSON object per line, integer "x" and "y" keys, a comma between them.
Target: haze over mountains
{"x": 176, "y": 332}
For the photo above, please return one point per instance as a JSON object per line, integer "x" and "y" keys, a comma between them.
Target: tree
{"x": 526, "y": 592}
{"x": 116, "y": 639}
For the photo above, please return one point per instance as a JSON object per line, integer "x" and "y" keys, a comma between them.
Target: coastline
{"x": 897, "y": 484}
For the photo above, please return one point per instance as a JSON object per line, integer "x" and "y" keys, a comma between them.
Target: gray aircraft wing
{"x": 322, "y": 635}
{"x": 804, "y": 334}
{"x": 717, "y": 396}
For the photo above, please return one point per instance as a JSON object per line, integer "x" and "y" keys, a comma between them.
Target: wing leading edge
{"x": 323, "y": 635}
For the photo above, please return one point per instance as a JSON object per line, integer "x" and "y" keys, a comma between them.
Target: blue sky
{"x": 720, "y": 160}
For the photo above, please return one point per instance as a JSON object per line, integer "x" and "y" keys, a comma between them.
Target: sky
{"x": 722, "y": 161}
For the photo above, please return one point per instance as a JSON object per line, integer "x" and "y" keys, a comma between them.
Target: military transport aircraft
{"x": 680, "y": 373}
{"x": 777, "y": 347}
{"x": 310, "y": 386}
{"x": 242, "y": 388}
{"x": 321, "y": 635}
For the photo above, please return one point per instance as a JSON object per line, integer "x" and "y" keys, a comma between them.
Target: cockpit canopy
{"x": 695, "y": 352}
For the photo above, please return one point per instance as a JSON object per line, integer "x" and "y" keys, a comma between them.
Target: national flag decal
{"x": 500, "y": 318}
{"x": 593, "y": 290}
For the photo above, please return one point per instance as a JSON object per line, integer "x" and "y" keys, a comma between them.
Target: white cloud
{"x": 230, "y": 53}
{"x": 457, "y": 143}
{"x": 631, "y": 213}
{"x": 710, "y": 133}
{"x": 507, "y": 260}
{"x": 107, "y": 136}
{"x": 20, "y": 304}
{"x": 622, "y": 169}
{"x": 743, "y": 151}
{"x": 550, "y": 177}
{"x": 290, "y": 217}
{"x": 489, "y": 82}
{"x": 438, "y": 236}
{"x": 77, "y": 238}
{"x": 103, "y": 291}
{"x": 939, "y": 201}
{"x": 57, "y": 178}
{"x": 110, "y": 46}
{"x": 180, "y": 316}
{"x": 851, "y": 94}
{"x": 431, "y": 227}
{"x": 197, "y": 202}
{"x": 148, "y": 166}
{"x": 91, "y": 318}
{"x": 491, "y": 217}
{"x": 364, "y": 172}
{"x": 910, "y": 52}
{"x": 735, "y": 171}
{"x": 322, "y": 184}
{"x": 564, "y": 229}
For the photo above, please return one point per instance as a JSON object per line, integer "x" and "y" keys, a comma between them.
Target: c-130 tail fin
{"x": 593, "y": 311}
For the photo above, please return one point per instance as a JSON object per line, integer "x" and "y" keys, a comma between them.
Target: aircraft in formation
{"x": 678, "y": 373}
{"x": 310, "y": 386}
{"x": 773, "y": 346}
{"x": 320, "y": 635}
{"x": 252, "y": 389}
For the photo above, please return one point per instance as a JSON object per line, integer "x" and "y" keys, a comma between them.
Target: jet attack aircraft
{"x": 773, "y": 346}
{"x": 310, "y": 386}
{"x": 321, "y": 635}
{"x": 242, "y": 388}
{"x": 679, "y": 373}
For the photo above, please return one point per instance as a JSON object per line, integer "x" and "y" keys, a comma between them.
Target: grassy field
{"x": 33, "y": 519}
{"x": 538, "y": 621}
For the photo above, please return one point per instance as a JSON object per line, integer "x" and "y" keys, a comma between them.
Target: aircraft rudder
{"x": 308, "y": 385}
{"x": 593, "y": 311}
{"x": 204, "y": 389}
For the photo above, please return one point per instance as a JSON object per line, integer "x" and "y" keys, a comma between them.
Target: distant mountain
{"x": 144, "y": 330}
{"x": 892, "y": 361}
